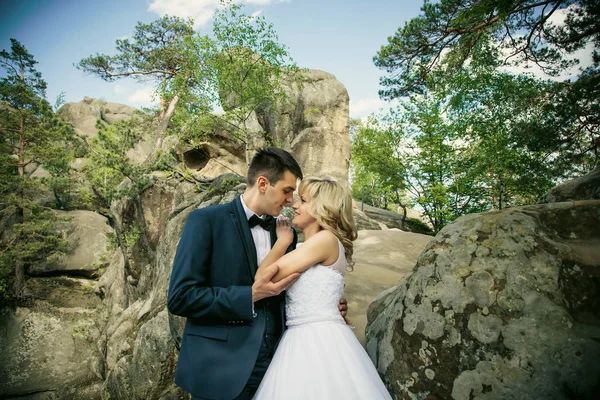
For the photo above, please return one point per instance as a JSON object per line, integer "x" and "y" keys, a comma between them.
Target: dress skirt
{"x": 321, "y": 360}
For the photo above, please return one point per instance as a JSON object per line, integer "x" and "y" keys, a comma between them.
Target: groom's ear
{"x": 262, "y": 183}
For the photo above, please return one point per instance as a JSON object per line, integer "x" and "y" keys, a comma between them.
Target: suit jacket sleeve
{"x": 189, "y": 292}
{"x": 294, "y": 242}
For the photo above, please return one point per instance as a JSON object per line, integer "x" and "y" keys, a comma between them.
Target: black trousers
{"x": 273, "y": 331}
{"x": 265, "y": 355}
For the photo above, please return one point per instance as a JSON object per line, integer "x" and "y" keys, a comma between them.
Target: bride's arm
{"x": 321, "y": 247}
{"x": 285, "y": 237}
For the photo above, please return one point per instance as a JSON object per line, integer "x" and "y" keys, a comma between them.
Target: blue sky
{"x": 337, "y": 36}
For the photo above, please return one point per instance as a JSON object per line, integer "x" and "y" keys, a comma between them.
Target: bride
{"x": 318, "y": 356}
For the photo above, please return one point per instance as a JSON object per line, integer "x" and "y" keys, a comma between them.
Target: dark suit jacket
{"x": 211, "y": 285}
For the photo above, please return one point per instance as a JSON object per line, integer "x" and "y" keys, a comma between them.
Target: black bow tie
{"x": 264, "y": 223}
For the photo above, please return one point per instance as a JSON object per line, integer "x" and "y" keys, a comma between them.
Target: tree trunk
{"x": 19, "y": 284}
{"x": 162, "y": 129}
{"x": 403, "y": 210}
{"x": 118, "y": 227}
{"x": 163, "y": 103}
{"x": 502, "y": 195}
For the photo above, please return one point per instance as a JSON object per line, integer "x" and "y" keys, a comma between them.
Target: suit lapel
{"x": 273, "y": 233}
{"x": 240, "y": 222}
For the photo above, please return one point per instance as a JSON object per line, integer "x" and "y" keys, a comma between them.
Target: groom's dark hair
{"x": 272, "y": 163}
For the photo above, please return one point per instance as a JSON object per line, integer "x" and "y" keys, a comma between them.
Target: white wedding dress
{"x": 318, "y": 356}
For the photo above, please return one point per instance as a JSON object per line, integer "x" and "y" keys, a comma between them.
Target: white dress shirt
{"x": 261, "y": 237}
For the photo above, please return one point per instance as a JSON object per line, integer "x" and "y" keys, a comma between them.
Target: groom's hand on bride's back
{"x": 263, "y": 287}
{"x": 343, "y": 307}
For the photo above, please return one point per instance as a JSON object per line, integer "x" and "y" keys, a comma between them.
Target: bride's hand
{"x": 284, "y": 230}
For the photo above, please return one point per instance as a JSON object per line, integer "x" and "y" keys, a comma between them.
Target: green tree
{"x": 414, "y": 152}
{"x": 378, "y": 163}
{"x": 449, "y": 32}
{"x": 113, "y": 176}
{"x": 451, "y": 35}
{"x": 241, "y": 68}
{"x": 31, "y": 136}
{"x": 438, "y": 174}
{"x": 492, "y": 113}
{"x": 251, "y": 67}
{"x": 161, "y": 52}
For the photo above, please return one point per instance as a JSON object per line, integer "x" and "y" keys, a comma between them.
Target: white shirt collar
{"x": 249, "y": 212}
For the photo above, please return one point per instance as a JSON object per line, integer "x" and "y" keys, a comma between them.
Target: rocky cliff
{"x": 500, "y": 305}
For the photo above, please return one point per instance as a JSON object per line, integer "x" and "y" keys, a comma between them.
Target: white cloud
{"x": 256, "y": 13}
{"x": 366, "y": 106}
{"x": 142, "y": 97}
{"x": 200, "y": 10}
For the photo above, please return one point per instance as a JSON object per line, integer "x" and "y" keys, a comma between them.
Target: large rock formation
{"x": 118, "y": 326}
{"x": 317, "y": 127}
{"x": 586, "y": 187}
{"x": 83, "y": 116}
{"x": 88, "y": 235}
{"x": 49, "y": 346}
{"x": 313, "y": 126}
{"x": 501, "y": 305}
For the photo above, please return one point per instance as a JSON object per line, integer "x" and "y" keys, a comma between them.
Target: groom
{"x": 233, "y": 323}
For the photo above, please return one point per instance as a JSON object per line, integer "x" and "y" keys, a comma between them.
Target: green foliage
{"x": 455, "y": 44}
{"x": 240, "y": 68}
{"x": 378, "y": 165}
{"x": 157, "y": 50}
{"x": 109, "y": 164}
{"x": 251, "y": 66}
{"x": 131, "y": 235}
{"x": 472, "y": 138}
{"x": 34, "y": 240}
{"x": 492, "y": 32}
{"x": 31, "y": 136}
{"x": 513, "y": 151}
{"x": 166, "y": 161}
{"x": 466, "y": 147}
{"x": 417, "y": 226}
{"x": 413, "y": 153}
{"x": 222, "y": 185}
{"x": 244, "y": 72}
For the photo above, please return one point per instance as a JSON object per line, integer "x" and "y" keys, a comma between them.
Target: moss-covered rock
{"x": 501, "y": 305}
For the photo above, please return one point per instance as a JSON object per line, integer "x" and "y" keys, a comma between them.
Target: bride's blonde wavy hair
{"x": 331, "y": 205}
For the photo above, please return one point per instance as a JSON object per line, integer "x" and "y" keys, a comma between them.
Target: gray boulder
{"x": 313, "y": 127}
{"x": 365, "y": 222}
{"x": 501, "y": 305}
{"x": 88, "y": 234}
{"x": 586, "y": 187}
{"x": 388, "y": 218}
{"x": 49, "y": 347}
{"x": 84, "y": 115}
